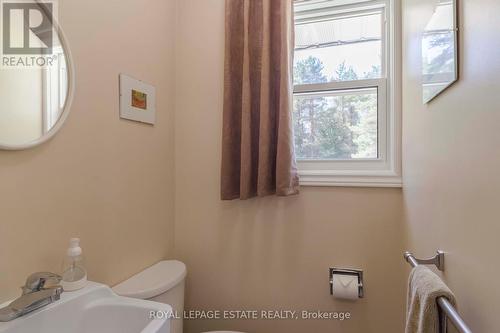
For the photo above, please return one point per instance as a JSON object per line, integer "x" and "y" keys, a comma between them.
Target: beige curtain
{"x": 257, "y": 150}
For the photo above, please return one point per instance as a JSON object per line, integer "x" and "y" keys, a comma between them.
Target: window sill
{"x": 350, "y": 179}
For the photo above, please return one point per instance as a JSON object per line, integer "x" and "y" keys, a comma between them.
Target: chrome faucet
{"x": 40, "y": 289}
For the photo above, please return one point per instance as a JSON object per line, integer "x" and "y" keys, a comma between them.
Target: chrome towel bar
{"x": 437, "y": 260}
{"x": 445, "y": 306}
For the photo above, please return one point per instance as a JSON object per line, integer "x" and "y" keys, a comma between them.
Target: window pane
{"x": 344, "y": 49}
{"x": 336, "y": 125}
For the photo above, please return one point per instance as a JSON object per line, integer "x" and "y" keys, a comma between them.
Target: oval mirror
{"x": 35, "y": 74}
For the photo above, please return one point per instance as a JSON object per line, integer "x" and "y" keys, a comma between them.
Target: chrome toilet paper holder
{"x": 347, "y": 271}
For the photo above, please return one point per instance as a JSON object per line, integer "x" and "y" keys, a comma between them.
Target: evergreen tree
{"x": 345, "y": 73}
{"x": 321, "y": 130}
{"x": 309, "y": 71}
{"x": 307, "y": 110}
{"x": 444, "y": 45}
{"x": 366, "y": 131}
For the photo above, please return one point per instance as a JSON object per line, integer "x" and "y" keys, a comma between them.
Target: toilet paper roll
{"x": 345, "y": 286}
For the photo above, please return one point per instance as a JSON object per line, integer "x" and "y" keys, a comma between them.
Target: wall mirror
{"x": 36, "y": 74}
{"x": 440, "y": 50}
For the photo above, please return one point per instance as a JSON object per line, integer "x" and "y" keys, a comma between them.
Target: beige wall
{"x": 271, "y": 253}
{"x": 106, "y": 180}
{"x": 451, "y": 160}
{"x": 90, "y": 180}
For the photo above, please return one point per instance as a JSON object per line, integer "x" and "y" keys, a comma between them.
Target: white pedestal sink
{"x": 94, "y": 309}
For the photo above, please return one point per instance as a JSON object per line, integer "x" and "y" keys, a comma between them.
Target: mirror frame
{"x": 456, "y": 27}
{"x": 69, "y": 98}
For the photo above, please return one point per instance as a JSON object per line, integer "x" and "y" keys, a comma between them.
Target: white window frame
{"x": 53, "y": 91}
{"x": 384, "y": 171}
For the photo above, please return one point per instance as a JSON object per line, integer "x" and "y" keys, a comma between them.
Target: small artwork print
{"x": 139, "y": 100}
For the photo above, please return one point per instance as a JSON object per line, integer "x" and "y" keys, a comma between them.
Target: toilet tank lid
{"x": 153, "y": 281}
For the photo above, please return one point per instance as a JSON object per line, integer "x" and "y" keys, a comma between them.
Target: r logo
{"x": 27, "y": 28}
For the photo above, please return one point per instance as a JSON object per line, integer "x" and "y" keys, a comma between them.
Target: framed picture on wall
{"x": 137, "y": 100}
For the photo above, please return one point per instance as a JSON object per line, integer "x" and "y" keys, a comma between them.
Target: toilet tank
{"x": 163, "y": 283}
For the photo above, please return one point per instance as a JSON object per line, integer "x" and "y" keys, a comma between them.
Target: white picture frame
{"x": 137, "y": 100}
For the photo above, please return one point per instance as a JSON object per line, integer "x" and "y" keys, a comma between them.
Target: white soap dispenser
{"x": 74, "y": 275}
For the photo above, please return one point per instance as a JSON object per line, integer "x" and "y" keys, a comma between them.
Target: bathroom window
{"x": 346, "y": 92}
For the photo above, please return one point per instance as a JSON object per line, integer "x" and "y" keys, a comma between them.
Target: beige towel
{"x": 424, "y": 289}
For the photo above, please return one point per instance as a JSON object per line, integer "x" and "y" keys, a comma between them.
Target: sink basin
{"x": 94, "y": 309}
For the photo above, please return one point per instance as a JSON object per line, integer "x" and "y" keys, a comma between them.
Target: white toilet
{"x": 163, "y": 283}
